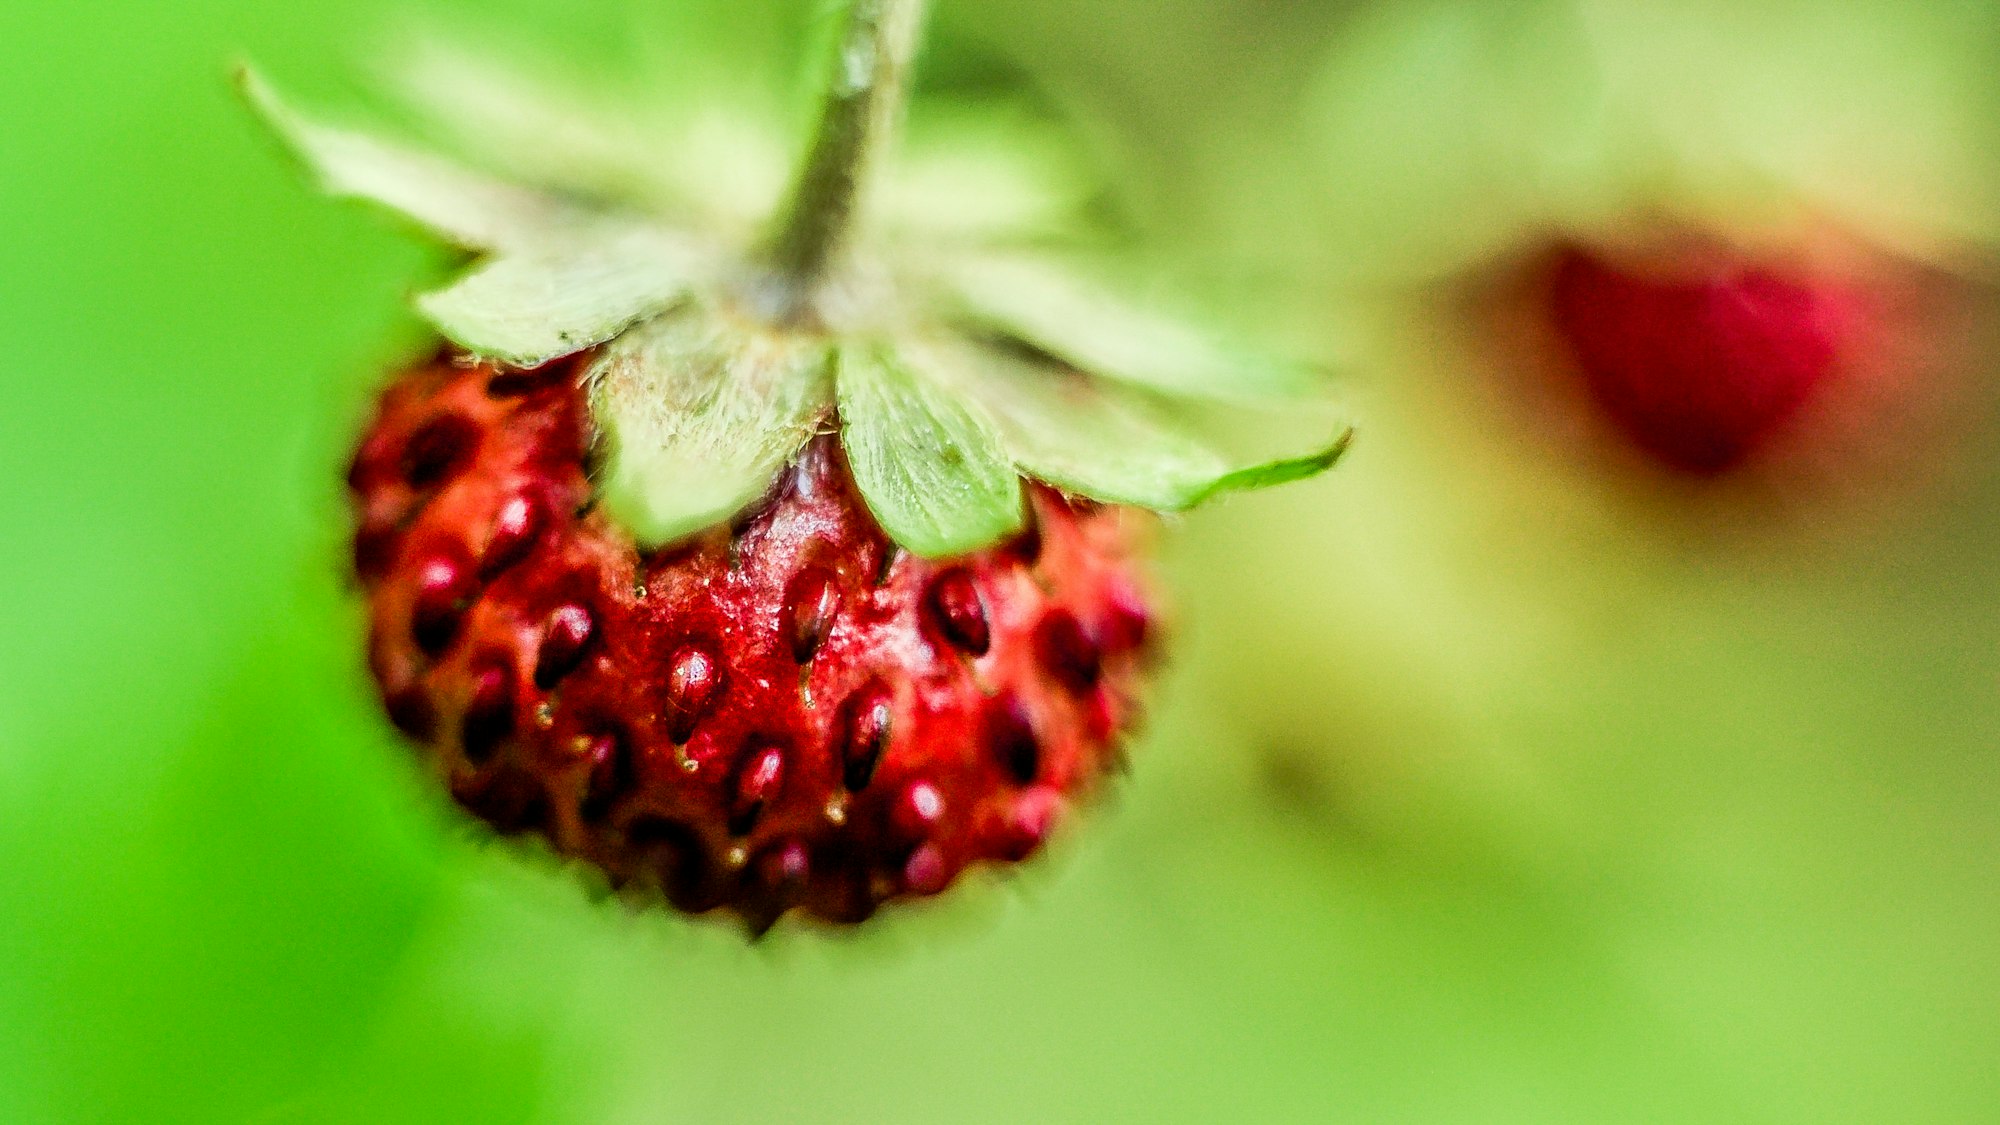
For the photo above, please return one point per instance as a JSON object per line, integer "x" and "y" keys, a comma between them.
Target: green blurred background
{"x": 1495, "y": 780}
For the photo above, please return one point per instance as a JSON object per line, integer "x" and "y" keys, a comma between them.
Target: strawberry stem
{"x": 864, "y": 105}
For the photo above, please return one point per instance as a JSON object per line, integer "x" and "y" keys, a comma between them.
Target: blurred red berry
{"x": 1702, "y": 368}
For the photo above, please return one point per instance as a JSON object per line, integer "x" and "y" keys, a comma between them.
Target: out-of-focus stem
{"x": 864, "y": 106}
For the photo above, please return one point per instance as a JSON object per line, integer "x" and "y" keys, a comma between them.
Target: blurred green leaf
{"x": 475, "y": 211}
{"x": 1097, "y": 331}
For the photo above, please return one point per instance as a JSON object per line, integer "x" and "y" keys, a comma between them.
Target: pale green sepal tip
{"x": 1107, "y": 442}
{"x": 529, "y": 307}
{"x": 663, "y": 499}
{"x": 927, "y": 463}
{"x": 461, "y": 206}
{"x": 698, "y": 418}
{"x": 1081, "y": 435}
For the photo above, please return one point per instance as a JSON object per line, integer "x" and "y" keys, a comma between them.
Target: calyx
{"x": 952, "y": 365}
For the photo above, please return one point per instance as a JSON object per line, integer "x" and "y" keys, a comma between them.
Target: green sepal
{"x": 530, "y": 306}
{"x": 456, "y": 204}
{"x": 1055, "y": 310}
{"x": 1284, "y": 470}
{"x": 698, "y": 404}
{"x": 1111, "y": 443}
{"x": 698, "y": 415}
{"x": 926, "y": 462}
{"x": 977, "y": 176}
{"x": 723, "y": 162}
{"x": 962, "y": 174}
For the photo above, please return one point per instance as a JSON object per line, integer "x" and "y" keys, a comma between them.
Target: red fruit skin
{"x": 785, "y": 712}
{"x": 1701, "y": 369}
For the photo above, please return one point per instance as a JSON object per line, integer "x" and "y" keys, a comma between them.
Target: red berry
{"x": 786, "y": 711}
{"x": 1701, "y": 369}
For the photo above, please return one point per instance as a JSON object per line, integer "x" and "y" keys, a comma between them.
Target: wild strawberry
{"x": 1701, "y": 367}
{"x": 784, "y": 709}
{"x": 796, "y": 573}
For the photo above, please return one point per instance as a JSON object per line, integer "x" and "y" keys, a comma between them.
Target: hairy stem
{"x": 864, "y": 104}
